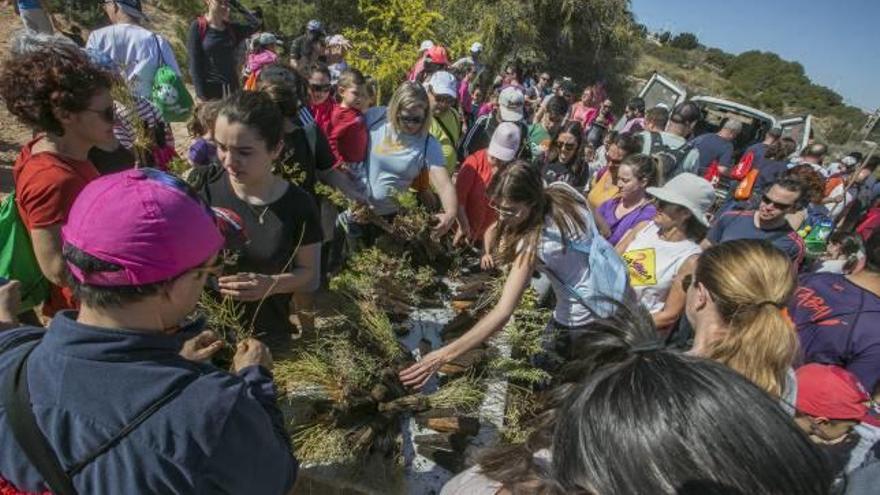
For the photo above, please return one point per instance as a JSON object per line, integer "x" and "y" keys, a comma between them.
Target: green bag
{"x": 169, "y": 94}
{"x": 17, "y": 259}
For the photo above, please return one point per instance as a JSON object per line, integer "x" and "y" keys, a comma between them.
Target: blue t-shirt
{"x": 712, "y": 147}
{"x": 740, "y": 224}
{"x": 769, "y": 171}
{"x": 838, "y": 323}
{"x": 396, "y": 161}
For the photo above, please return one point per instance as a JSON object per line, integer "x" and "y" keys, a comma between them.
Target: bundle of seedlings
{"x": 391, "y": 281}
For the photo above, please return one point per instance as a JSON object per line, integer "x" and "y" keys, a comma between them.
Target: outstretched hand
{"x": 202, "y": 347}
{"x": 417, "y": 375}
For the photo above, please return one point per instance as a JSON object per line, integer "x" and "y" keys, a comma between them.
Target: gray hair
{"x": 733, "y": 126}
{"x": 24, "y": 42}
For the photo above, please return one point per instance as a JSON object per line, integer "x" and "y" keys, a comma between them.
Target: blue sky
{"x": 837, "y": 42}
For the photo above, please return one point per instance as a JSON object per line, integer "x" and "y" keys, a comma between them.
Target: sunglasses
{"x": 781, "y": 206}
{"x": 566, "y": 146}
{"x": 410, "y": 119}
{"x": 686, "y": 282}
{"x": 502, "y": 212}
{"x": 320, "y": 88}
{"x": 107, "y": 115}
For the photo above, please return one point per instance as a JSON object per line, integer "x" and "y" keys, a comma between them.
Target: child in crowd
{"x": 202, "y": 150}
{"x": 845, "y": 253}
{"x": 261, "y": 53}
{"x": 489, "y": 106}
{"x": 348, "y": 131}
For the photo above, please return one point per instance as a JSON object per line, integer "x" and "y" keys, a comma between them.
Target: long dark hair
{"x": 523, "y": 184}
{"x": 634, "y": 417}
{"x": 576, "y": 165}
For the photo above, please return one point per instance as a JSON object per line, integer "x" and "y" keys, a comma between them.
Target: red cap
{"x": 437, "y": 54}
{"x": 831, "y": 392}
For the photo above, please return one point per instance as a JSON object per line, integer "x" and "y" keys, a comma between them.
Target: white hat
{"x": 477, "y": 47}
{"x": 690, "y": 191}
{"x": 505, "y": 141}
{"x": 426, "y": 45}
{"x": 444, "y": 83}
{"x": 510, "y": 104}
{"x": 339, "y": 40}
{"x": 849, "y": 160}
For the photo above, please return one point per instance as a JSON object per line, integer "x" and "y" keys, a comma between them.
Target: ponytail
{"x": 750, "y": 282}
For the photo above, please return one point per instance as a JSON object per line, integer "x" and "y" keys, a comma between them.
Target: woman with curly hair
{"x": 811, "y": 211}
{"x": 66, "y": 100}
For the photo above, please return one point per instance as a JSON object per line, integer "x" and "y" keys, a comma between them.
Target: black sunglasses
{"x": 107, "y": 115}
{"x": 320, "y": 88}
{"x": 782, "y": 206}
{"x": 410, "y": 119}
{"x": 566, "y": 146}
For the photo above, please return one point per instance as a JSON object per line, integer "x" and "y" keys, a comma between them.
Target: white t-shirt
{"x": 653, "y": 264}
{"x": 136, "y": 51}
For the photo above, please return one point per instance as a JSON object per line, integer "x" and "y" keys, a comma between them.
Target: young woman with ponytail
{"x": 538, "y": 228}
{"x": 629, "y": 416}
{"x": 736, "y": 303}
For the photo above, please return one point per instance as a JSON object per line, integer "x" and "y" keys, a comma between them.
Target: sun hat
{"x": 828, "y": 391}
{"x": 426, "y": 45}
{"x": 132, "y": 8}
{"x": 505, "y": 141}
{"x": 510, "y": 104}
{"x": 149, "y": 223}
{"x": 477, "y": 47}
{"x": 437, "y": 54}
{"x": 443, "y": 83}
{"x": 339, "y": 40}
{"x": 689, "y": 191}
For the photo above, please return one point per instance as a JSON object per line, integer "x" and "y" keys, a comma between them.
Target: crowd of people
{"x": 716, "y": 311}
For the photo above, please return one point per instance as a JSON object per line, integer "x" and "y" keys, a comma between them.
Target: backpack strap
{"x": 311, "y": 131}
{"x": 656, "y": 141}
{"x": 159, "y": 50}
{"x": 35, "y": 445}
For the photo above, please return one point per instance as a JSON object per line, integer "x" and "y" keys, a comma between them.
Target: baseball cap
{"x": 505, "y": 141}
{"x": 157, "y": 228}
{"x": 510, "y": 104}
{"x": 832, "y": 392}
{"x": 689, "y": 191}
{"x": 426, "y": 45}
{"x": 437, "y": 54}
{"x": 268, "y": 39}
{"x": 315, "y": 26}
{"x": 477, "y": 47}
{"x": 133, "y": 8}
{"x": 444, "y": 83}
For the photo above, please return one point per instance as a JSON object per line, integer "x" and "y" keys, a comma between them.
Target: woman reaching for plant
{"x": 283, "y": 256}
{"x": 549, "y": 229}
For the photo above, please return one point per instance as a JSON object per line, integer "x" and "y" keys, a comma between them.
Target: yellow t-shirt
{"x": 601, "y": 190}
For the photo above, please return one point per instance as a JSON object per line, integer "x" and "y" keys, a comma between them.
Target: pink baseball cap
{"x": 151, "y": 224}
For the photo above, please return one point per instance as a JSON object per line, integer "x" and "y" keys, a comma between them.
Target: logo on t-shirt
{"x": 642, "y": 264}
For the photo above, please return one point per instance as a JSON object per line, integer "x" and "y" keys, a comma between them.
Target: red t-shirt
{"x": 471, "y": 186}
{"x": 322, "y": 113}
{"x": 348, "y": 135}
{"x": 46, "y": 184}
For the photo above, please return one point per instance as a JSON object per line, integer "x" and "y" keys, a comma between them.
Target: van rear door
{"x": 659, "y": 90}
{"x": 797, "y": 128}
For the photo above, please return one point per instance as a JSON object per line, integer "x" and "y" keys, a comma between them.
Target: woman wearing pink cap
{"x": 66, "y": 100}
{"x": 283, "y": 258}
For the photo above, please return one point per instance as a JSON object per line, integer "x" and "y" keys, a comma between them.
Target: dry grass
{"x": 463, "y": 395}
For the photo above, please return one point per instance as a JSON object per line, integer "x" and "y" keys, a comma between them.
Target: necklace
{"x": 257, "y": 214}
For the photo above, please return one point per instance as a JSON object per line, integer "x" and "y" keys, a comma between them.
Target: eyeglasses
{"x": 410, "y": 119}
{"x": 502, "y": 212}
{"x": 320, "y": 88}
{"x": 107, "y": 115}
{"x": 776, "y": 204}
{"x": 566, "y": 145}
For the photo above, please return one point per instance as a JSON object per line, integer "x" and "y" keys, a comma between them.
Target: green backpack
{"x": 17, "y": 259}
{"x": 169, "y": 94}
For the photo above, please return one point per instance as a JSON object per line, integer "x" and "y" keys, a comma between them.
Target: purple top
{"x": 837, "y": 322}
{"x": 620, "y": 226}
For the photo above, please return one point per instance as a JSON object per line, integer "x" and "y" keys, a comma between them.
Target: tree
{"x": 685, "y": 41}
{"x": 664, "y": 37}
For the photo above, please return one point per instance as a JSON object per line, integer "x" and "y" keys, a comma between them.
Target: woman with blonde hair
{"x": 400, "y": 149}
{"x": 736, "y": 303}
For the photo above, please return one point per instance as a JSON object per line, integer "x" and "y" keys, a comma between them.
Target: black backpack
{"x": 672, "y": 159}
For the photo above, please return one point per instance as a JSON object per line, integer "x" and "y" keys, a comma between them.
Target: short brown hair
{"x": 33, "y": 85}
